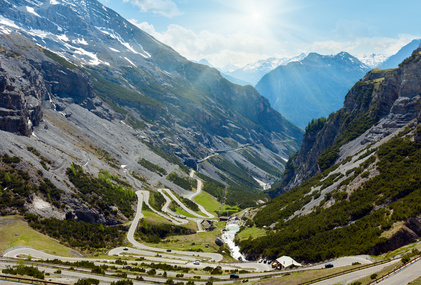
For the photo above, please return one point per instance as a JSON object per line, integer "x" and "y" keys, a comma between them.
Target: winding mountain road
{"x": 197, "y": 192}
{"x": 130, "y": 237}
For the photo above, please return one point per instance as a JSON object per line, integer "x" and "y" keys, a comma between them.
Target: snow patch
{"x": 6, "y": 22}
{"x": 117, "y": 37}
{"x": 113, "y": 49}
{"x": 130, "y": 61}
{"x": 35, "y": 3}
{"x": 63, "y": 37}
{"x": 80, "y": 41}
{"x": 32, "y": 11}
{"x": 54, "y": 2}
{"x": 40, "y": 33}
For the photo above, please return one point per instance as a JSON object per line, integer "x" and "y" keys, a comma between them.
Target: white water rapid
{"x": 228, "y": 237}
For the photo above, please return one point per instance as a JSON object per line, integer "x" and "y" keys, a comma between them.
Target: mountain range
{"x": 311, "y": 88}
{"x": 354, "y": 186}
{"x": 394, "y": 60}
{"x": 73, "y": 61}
{"x": 93, "y": 108}
{"x": 253, "y": 72}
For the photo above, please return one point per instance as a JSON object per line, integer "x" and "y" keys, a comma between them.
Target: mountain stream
{"x": 228, "y": 236}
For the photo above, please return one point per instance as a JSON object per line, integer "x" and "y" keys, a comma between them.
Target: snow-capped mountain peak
{"x": 253, "y": 72}
{"x": 372, "y": 60}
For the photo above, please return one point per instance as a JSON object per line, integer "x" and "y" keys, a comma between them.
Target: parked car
{"x": 270, "y": 261}
{"x": 196, "y": 262}
{"x": 125, "y": 248}
{"x": 168, "y": 250}
{"x": 260, "y": 260}
{"x": 233, "y": 276}
{"x": 265, "y": 260}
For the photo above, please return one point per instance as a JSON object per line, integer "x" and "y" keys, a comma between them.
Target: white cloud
{"x": 240, "y": 49}
{"x": 220, "y": 50}
{"x": 382, "y": 45}
{"x": 166, "y": 8}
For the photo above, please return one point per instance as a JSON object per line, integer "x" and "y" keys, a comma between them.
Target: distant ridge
{"x": 404, "y": 52}
{"x": 313, "y": 87}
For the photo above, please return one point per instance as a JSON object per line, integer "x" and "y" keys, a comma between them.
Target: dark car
{"x": 328, "y": 265}
{"x": 168, "y": 250}
{"x": 233, "y": 276}
{"x": 270, "y": 261}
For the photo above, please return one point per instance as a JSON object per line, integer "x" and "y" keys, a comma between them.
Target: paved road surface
{"x": 130, "y": 236}
{"x": 190, "y": 196}
{"x": 174, "y": 220}
{"x": 184, "y": 207}
{"x": 353, "y": 276}
{"x": 406, "y": 275}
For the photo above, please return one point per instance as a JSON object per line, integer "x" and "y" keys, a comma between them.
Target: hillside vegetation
{"x": 347, "y": 221}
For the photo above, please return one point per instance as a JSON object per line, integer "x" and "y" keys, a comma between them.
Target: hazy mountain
{"x": 406, "y": 51}
{"x": 313, "y": 87}
{"x": 354, "y": 187}
{"x": 205, "y": 62}
{"x": 120, "y": 96}
{"x": 235, "y": 80}
{"x": 253, "y": 72}
{"x": 372, "y": 60}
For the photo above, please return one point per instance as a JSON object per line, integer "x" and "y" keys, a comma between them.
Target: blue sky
{"x": 243, "y": 31}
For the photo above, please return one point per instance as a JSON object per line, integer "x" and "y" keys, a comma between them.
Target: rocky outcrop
{"x": 29, "y": 76}
{"x": 377, "y": 105}
{"x": 410, "y": 232}
{"x": 22, "y": 91}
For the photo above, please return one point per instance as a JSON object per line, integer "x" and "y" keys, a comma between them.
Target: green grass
{"x": 184, "y": 213}
{"x": 153, "y": 218}
{"x": 253, "y": 232}
{"x": 16, "y": 232}
{"x": 416, "y": 282}
{"x": 229, "y": 210}
{"x": 193, "y": 242}
{"x": 208, "y": 202}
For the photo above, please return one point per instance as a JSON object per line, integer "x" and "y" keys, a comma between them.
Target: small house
{"x": 286, "y": 261}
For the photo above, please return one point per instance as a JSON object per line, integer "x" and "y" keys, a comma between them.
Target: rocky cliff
{"x": 29, "y": 78}
{"x": 377, "y": 105}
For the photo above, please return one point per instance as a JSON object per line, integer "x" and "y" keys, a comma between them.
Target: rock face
{"x": 219, "y": 241}
{"x": 28, "y": 77}
{"x": 410, "y": 232}
{"x": 22, "y": 91}
{"x": 377, "y": 105}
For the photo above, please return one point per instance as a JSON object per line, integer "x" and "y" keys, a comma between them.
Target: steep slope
{"x": 181, "y": 109}
{"x": 367, "y": 198}
{"x": 311, "y": 88}
{"x": 381, "y": 102}
{"x": 394, "y": 60}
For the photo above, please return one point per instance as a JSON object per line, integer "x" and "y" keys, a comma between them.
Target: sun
{"x": 256, "y": 16}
